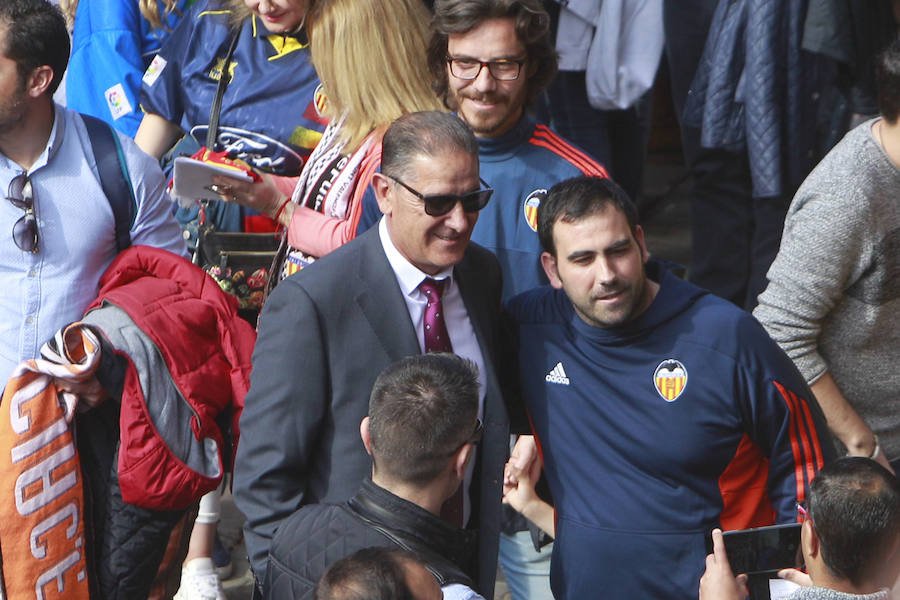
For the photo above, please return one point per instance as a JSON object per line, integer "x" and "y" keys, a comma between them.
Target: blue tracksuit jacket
{"x": 521, "y": 165}
{"x": 656, "y": 431}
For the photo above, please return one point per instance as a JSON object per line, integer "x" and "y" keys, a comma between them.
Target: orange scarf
{"x": 41, "y": 496}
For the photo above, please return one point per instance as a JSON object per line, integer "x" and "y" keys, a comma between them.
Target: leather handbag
{"x": 239, "y": 262}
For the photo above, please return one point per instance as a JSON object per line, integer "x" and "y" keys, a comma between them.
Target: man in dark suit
{"x": 410, "y": 285}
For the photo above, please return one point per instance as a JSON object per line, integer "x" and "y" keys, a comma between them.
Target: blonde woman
{"x": 370, "y": 58}
{"x": 113, "y": 42}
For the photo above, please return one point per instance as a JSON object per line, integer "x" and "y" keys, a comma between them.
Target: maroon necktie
{"x": 437, "y": 340}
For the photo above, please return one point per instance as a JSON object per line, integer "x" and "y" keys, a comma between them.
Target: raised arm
{"x": 156, "y": 135}
{"x": 318, "y": 234}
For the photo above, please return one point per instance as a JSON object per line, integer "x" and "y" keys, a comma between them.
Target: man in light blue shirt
{"x": 60, "y": 224}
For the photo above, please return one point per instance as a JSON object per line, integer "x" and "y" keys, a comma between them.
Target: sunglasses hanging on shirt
{"x": 25, "y": 230}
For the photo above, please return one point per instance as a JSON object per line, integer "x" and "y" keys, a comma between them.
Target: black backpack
{"x": 114, "y": 177}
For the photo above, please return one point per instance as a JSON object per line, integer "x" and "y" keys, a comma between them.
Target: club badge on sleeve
{"x": 531, "y": 205}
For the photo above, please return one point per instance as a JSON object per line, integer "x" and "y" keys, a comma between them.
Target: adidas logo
{"x": 557, "y": 375}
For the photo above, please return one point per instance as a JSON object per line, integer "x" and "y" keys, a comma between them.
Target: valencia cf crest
{"x": 670, "y": 379}
{"x": 531, "y": 205}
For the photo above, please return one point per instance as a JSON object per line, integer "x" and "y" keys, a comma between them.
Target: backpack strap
{"x": 114, "y": 177}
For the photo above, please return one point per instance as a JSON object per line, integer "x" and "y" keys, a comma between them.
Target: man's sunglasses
{"x": 475, "y": 436}
{"x": 25, "y": 230}
{"x": 437, "y": 205}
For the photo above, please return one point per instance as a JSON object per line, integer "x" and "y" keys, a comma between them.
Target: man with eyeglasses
{"x": 413, "y": 284}
{"x": 60, "y": 227}
{"x": 490, "y": 60}
{"x": 419, "y": 432}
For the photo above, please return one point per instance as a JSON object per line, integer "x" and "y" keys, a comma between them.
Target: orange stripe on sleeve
{"x": 802, "y": 428}
{"x": 556, "y": 140}
{"x": 795, "y": 443}
{"x": 537, "y": 440}
{"x": 546, "y": 138}
{"x": 814, "y": 435}
{"x": 582, "y": 163}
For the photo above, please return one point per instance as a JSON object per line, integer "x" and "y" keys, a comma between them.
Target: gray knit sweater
{"x": 817, "y": 593}
{"x": 833, "y": 299}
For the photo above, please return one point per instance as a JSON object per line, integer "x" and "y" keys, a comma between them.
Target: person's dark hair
{"x": 35, "y": 36}
{"x": 579, "y": 197}
{"x": 422, "y": 409}
{"x": 423, "y": 134}
{"x": 532, "y": 28}
{"x": 367, "y": 574}
{"x": 887, "y": 79}
{"x": 854, "y": 506}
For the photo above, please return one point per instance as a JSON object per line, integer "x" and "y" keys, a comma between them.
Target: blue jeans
{"x": 526, "y": 571}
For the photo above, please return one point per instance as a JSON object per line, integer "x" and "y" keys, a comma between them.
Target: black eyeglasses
{"x": 437, "y": 205}
{"x": 503, "y": 69}
{"x": 25, "y": 230}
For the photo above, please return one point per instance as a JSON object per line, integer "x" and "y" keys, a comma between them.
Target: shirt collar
{"x": 408, "y": 275}
{"x": 53, "y": 142}
{"x": 499, "y": 148}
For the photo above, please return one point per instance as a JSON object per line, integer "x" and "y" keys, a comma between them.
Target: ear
{"x": 39, "y": 81}
{"x": 381, "y": 185}
{"x": 548, "y": 261}
{"x": 639, "y": 238}
{"x": 364, "y": 434}
{"x": 809, "y": 539}
{"x": 461, "y": 461}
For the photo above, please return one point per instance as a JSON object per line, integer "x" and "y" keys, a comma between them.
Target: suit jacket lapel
{"x": 479, "y": 314}
{"x": 381, "y": 301}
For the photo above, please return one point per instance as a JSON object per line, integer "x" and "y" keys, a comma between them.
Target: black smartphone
{"x": 764, "y": 549}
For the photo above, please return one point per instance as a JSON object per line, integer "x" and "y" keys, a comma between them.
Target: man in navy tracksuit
{"x": 661, "y": 410}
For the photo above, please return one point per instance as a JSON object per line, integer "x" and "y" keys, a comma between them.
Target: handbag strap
{"x": 212, "y": 131}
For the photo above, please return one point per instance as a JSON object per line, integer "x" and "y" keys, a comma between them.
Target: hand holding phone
{"x": 764, "y": 549}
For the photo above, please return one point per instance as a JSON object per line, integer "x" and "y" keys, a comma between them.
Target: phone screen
{"x": 764, "y": 548}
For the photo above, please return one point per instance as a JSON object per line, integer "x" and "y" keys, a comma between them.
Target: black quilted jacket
{"x": 318, "y": 535}
{"x": 756, "y": 88}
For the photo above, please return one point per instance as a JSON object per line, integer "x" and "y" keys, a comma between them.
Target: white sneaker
{"x": 199, "y": 581}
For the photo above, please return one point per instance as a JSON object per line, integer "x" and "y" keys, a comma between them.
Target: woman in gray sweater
{"x": 833, "y": 299}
